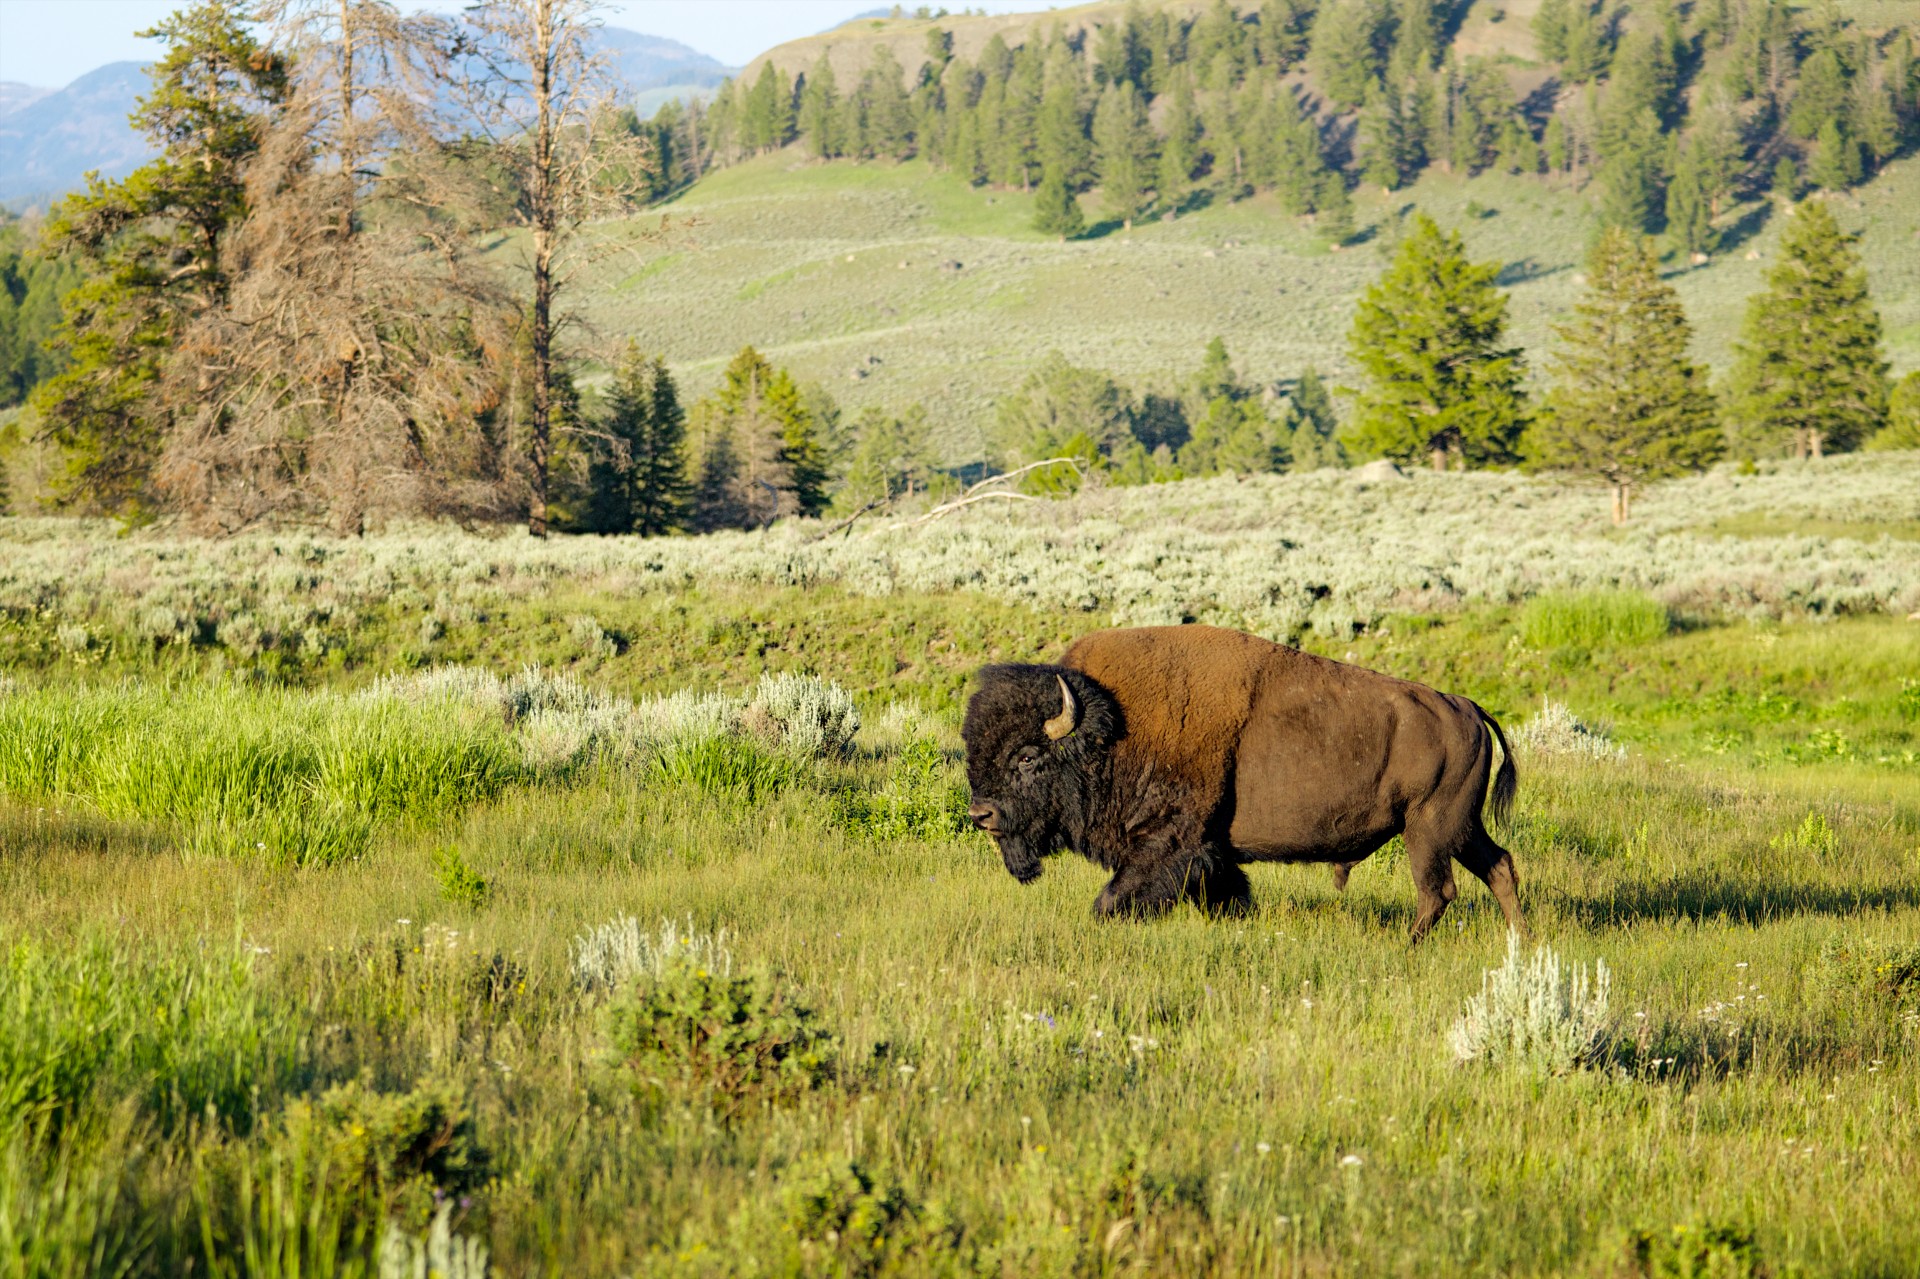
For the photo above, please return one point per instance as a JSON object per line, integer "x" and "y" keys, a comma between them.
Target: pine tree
{"x": 891, "y": 456}
{"x": 885, "y": 115}
{"x": 152, "y": 243}
{"x": 1589, "y": 44}
{"x": 1018, "y": 161}
{"x": 1301, "y": 180}
{"x": 1689, "y": 212}
{"x": 767, "y": 122}
{"x": 1062, "y": 123}
{"x": 1550, "y": 29}
{"x": 1344, "y": 53}
{"x": 1315, "y": 444}
{"x": 1628, "y": 405}
{"x": 1809, "y": 377}
{"x": 1633, "y": 175}
{"x": 1876, "y": 116}
{"x": 1055, "y": 210}
{"x": 1719, "y": 153}
{"x": 762, "y": 455}
{"x": 1902, "y": 430}
{"x": 1282, "y": 37}
{"x": 1416, "y": 41}
{"x": 638, "y": 484}
{"x": 1821, "y": 96}
{"x": 1333, "y": 209}
{"x": 820, "y": 111}
{"x": 1786, "y": 178}
{"x": 1180, "y": 153}
{"x": 1836, "y": 159}
{"x": 1234, "y": 436}
{"x": 1383, "y": 139}
{"x": 1123, "y": 145}
{"x": 1427, "y": 338}
{"x": 939, "y": 52}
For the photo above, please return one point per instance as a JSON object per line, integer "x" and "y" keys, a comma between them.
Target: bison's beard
{"x": 1017, "y": 851}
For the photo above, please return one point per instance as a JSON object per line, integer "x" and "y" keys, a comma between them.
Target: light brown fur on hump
{"x": 1185, "y": 691}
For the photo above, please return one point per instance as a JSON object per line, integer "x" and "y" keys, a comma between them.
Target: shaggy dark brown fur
{"x": 1184, "y": 751}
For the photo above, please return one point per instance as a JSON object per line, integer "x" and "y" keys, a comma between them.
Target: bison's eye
{"x": 1029, "y": 758}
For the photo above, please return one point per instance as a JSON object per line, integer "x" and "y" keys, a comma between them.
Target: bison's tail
{"x": 1505, "y": 782}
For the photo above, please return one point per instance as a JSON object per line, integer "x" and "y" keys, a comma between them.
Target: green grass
{"x": 1594, "y": 619}
{"x": 1774, "y": 526}
{"x": 1005, "y": 1086}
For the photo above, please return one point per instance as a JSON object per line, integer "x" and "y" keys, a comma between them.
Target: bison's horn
{"x": 1062, "y": 724}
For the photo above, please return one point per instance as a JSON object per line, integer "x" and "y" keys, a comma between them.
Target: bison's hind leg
{"x": 1494, "y": 865}
{"x": 1431, "y": 861}
{"x": 1340, "y": 872}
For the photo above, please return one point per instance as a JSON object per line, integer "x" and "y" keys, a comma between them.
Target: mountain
{"x": 14, "y": 95}
{"x": 48, "y": 144}
{"x": 50, "y": 138}
{"x": 645, "y": 63}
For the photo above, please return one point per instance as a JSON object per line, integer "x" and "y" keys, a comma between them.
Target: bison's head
{"x": 1037, "y": 740}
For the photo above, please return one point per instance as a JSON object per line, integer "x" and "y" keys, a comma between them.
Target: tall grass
{"x": 291, "y": 777}
{"x": 1593, "y": 619}
{"x": 194, "y": 1036}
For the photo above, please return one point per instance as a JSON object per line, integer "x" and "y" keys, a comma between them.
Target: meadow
{"x": 438, "y": 902}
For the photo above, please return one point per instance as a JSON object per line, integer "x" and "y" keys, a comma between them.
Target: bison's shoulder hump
{"x": 1186, "y": 691}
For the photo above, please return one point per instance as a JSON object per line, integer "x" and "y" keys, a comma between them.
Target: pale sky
{"x": 50, "y": 42}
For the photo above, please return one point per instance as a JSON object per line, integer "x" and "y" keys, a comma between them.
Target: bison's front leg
{"x": 1217, "y": 885}
{"x": 1170, "y": 859}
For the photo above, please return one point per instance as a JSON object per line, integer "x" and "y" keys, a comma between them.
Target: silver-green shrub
{"x": 593, "y": 640}
{"x": 803, "y": 714}
{"x": 1555, "y": 731}
{"x": 1273, "y": 554}
{"x": 607, "y": 957}
{"x": 1532, "y": 1012}
{"x": 442, "y": 1254}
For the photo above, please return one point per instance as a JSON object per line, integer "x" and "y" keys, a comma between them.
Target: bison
{"x": 1171, "y": 755}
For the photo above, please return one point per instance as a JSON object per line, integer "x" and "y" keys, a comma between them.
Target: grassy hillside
{"x": 843, "y": 273}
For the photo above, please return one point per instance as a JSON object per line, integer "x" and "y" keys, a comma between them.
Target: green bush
{"x": 459, "y": 884}
{"x": 1593, "y": 619}
{"x": 848, "y": 1220}
{"x": 1695, "y": 1250}
{"x": 1884, "y": 973}
{"x": 389, "y": 1144}
{"x": 721, "y": 1038}
{"x": 917, "y": 802}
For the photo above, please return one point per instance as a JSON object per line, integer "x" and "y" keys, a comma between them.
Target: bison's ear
{"x": 1063, "y": 723}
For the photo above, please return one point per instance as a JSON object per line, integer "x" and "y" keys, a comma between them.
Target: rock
{"x": 950, "y": 265}
{"x": 1379, "y": 471}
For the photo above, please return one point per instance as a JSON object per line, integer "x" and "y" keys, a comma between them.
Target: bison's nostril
{"x": 985, "y": 816}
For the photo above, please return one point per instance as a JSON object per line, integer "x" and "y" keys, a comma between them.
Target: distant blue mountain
{"x": 655, "y": 62}
{"x": 48, "y": 143}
